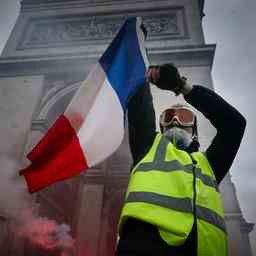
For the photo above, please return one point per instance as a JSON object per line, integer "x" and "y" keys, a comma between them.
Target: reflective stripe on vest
{"x": 178, "y": 204}
{"x": 160, "y": 192}
{"x": 164, "y": 166}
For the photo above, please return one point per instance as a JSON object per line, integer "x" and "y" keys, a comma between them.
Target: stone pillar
{"x": 238, "y": 228}
{"x": 89, "y": 223}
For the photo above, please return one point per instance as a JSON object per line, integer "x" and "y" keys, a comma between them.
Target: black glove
{"x": 168, "y": 78}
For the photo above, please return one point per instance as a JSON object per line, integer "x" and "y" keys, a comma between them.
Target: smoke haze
{"x": 17, "y": 206}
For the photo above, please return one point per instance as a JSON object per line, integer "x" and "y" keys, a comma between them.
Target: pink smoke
{"x": 44, "y": 233}
{"x": 17, "y": 206}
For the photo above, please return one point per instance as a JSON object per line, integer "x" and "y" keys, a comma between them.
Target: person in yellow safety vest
{"x": 173, "y": 205}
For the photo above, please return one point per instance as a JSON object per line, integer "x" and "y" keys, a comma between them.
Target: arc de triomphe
{"x": 50, "y": 51}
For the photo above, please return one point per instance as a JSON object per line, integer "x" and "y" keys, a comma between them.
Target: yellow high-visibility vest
{"x": 161, "y": 192}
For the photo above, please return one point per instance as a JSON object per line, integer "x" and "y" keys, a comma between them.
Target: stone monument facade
{"x": 50, "y": 51}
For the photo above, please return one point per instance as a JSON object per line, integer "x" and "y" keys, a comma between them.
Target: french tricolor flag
{"x": 92, "y": 126}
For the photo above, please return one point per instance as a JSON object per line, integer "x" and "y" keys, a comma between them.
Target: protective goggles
{"x": 184, "y": 116}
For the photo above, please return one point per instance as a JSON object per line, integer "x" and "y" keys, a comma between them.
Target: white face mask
{"x": 180, "y": 138}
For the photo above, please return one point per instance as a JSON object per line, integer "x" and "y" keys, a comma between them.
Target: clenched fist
{"x": 166, "y": 77}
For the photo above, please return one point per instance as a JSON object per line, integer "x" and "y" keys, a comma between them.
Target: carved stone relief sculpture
{"x": 65, "y": 31}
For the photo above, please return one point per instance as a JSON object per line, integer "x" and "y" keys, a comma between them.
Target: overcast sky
{"x": 230, "y": 24}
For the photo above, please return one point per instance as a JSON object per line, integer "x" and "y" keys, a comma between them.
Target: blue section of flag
{"x": 123, "y": 62}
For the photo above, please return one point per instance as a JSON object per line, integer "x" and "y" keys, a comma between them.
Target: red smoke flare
{"x": 46, "y": 234}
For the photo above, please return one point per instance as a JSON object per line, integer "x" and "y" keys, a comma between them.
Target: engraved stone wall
{"x": 65, "y": 31}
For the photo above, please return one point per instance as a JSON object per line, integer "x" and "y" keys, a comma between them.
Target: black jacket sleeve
{"x": 230, "y": 125}
{"x": 141, "y": 121}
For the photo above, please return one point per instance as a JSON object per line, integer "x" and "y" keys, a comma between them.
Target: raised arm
{"x": 141, "y": 119}
{"x": 230, "y": 125}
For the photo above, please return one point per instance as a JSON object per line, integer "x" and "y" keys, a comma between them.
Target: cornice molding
{"x": 245, "y": 227}
{"x": 200, "y": 55}
{"x": 41, "y": 5}
{"x": 62, "y": 4}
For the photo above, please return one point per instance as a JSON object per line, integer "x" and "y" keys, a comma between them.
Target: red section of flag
{"x": 56, "y": 157}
